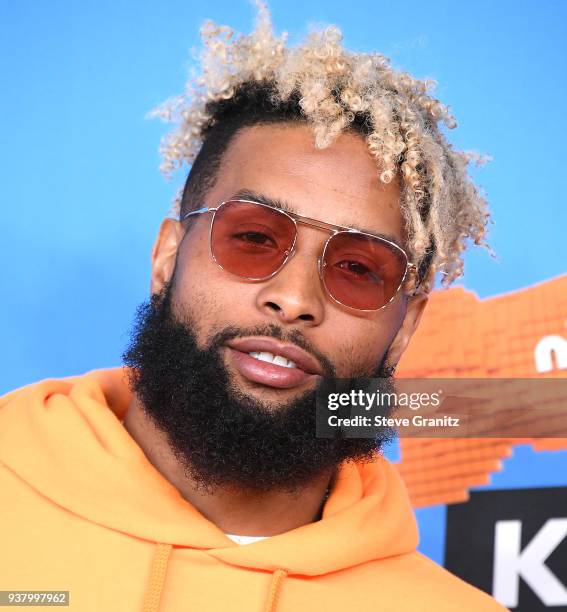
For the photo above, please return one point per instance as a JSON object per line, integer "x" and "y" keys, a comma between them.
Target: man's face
{"x": 339, "y": 185}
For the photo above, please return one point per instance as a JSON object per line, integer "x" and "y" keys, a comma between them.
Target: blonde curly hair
{"x": 333, "y": 90}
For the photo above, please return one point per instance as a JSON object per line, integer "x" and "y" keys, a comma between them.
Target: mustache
{"x": 271, "y": 330}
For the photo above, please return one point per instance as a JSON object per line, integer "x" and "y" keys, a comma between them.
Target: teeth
{"x": 271, "y": 358}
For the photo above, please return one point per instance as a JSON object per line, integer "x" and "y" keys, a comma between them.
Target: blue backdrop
{"x": 82, "y": 198}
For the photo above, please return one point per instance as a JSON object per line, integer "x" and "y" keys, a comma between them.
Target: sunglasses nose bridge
{"x": 321, "y": 263}
{"x": 320, "y": 258}
{"x": 289, "y": 254}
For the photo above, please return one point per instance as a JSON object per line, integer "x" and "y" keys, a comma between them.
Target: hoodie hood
{"x": 65, "y": 439}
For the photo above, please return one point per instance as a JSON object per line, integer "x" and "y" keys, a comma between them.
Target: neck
{"x": 233, "y": 511}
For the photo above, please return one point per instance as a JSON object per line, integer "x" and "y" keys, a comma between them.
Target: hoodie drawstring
{"x": 275, "y": 588}
{"x": 158, "y": 571}
{"x": 157, "y": 577}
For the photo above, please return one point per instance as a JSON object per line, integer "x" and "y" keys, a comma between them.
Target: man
{"x": 321, "y": 201}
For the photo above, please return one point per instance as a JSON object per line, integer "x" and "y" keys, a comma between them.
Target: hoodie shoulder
{"x": 447, "y": 590}
{"x": 408, "y": 581}
{"x": 50, "y": 385}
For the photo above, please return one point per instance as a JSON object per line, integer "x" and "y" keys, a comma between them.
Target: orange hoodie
{"x": 83, "y": 510}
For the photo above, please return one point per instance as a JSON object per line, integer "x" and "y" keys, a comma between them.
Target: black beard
{"x": 222, "y": 437}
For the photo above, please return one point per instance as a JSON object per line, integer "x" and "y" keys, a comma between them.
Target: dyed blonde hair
{"x": 440, "y": 204}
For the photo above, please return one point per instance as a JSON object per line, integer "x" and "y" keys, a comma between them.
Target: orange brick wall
{"x": 462, "y": 336}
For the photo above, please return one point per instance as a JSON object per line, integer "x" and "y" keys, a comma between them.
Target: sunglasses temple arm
{"x": 197, "y": 212}
{"x": 418, "y": 288}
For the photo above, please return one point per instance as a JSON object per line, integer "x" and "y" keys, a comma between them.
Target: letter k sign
{"x": 510, "y": 562}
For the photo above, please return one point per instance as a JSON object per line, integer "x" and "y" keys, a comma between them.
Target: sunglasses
{"x": 254, "y": 241}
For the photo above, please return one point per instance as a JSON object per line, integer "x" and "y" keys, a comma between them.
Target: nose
{"x": 295, "y": 294}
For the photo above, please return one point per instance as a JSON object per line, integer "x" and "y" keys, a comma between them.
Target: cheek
{"x": 365, "y": 340}
{"x": 204, "y": 291}
{"x": 357, "y": 355}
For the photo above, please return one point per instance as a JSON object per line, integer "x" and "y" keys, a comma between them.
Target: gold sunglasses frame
{"x": 297, "y": 218}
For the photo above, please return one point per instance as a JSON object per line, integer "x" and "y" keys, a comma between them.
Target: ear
{"x": 164, "y": 253}
{"x": 414, "y": 311}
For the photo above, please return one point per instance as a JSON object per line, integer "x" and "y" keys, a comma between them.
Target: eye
{"x": 354, "y": 266}
{"x": 255, "y": 239}
{"x": 358, "y": 271}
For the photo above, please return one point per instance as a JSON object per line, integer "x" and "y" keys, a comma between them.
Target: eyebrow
{"x": 250, "y": 194}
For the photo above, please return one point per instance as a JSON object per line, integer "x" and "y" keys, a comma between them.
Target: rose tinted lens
{"x": 251, "y": 240}
{"x": 361, "y": 271}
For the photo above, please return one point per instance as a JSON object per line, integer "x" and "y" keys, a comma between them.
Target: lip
{"x": 303, "y": 360}
{"x": 271, "y": 374}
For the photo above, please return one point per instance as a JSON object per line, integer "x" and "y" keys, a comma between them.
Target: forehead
{"x": 339, "y": 184}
